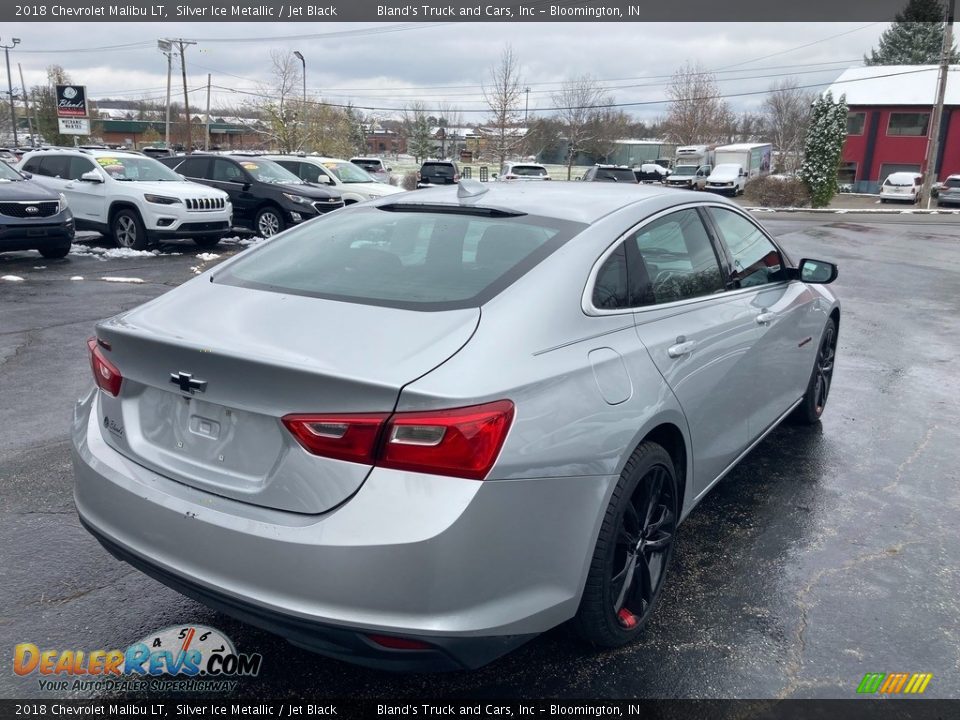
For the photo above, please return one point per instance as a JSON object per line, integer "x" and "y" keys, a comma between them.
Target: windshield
{"x": 268, "y": 171}
{"x": 528, "y": 171}
{"x": 8, "y": 173}
{"x": 416, "y": 259}
{"x": 952, "y": 183}
{"x": 726, "y": 170}
{"x": 348, "y": 172}
{"x": 136, "y": 169}
{"x": 686, "y": 170}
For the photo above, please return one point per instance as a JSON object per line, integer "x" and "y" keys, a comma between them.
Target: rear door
{"x": 87, "y": 199}
{"x": 699, "y": 336}
{"x": 230, "y": 177}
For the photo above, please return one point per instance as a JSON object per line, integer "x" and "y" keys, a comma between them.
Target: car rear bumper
{"x": 471, "y": 568}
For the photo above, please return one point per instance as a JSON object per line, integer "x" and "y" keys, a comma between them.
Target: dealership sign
{"x": 71, "y": 101}
{"x": 74, "y": 126}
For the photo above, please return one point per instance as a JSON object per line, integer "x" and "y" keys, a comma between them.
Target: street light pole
{"x": 13, "y": 112}
{"x": 303, "y": 62}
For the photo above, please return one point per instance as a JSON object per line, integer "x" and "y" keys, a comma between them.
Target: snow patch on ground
{"x": 122, "y": 279}
{"x": 207, "y": 257}
{"x": 77, "y": 277}
{"x": 245, "y": 241}
{"x": 11, "y": 278}
{"x": 105, "y": 253}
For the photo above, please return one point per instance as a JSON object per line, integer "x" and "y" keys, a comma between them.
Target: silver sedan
{"x": 417, "y": 432}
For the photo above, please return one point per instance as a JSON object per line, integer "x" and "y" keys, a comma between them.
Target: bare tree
{"x": 502, "y": 95}
{"x": 281, "y": 102}
{"x": 697, "y": 113}
{"x": 416, "y": 126}
{"x": 544, "y": 135}
{"x": 607, "y": 126}
{"x": 450, "y": 118}
{"x": 787, "y": 111}
{"x": 576, "y": 103}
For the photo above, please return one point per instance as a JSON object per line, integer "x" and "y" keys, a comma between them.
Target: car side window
{"x": 55, "y": 166}
{"x": 79, "y": 166}
{"x": 672, "y": 259}
{"x": 226, "y": 171}
{"x": 193, "y": 167}
{"x": 309, "y": 172}
{"x": 32, "y": 166}
{"x": 610, "y": 287}
{"x": 756, "y": 260}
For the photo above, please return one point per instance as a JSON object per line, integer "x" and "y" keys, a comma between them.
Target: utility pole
{"x": 181, "y": 47}
{"x": 206, "y": 139}
{"x": 167, "y": 48}
{"x": 26, "y": 104}
{"x": 933, "y": 143}
{"x": 13, "y": 112}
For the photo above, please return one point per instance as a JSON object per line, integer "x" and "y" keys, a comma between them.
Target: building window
{"x": 855, "y": 123}
{"x": 847, "y": 173}
{"x": 914, "y": 124}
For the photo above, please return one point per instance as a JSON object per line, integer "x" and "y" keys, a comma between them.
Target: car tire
{"x": 642, "y": 515}
{"x": 128, "y": 231}
{"x": 54, "y": 253}
{"x": 207, "y": 242}
{"x": 883, "y": 201}
{"x": 814, "y": 400}
{"x": 269, "y": 221}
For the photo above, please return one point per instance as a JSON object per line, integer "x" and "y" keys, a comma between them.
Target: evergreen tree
{"x": 914, "y": 38}
{"x": 823, "y": 149}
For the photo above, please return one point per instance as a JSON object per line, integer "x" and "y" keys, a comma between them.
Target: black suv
{"x": 438, "y": 172}
{"x": 33, "y": 217}
{"x": 266, "y": 197}
{"x": 610, "y": 173}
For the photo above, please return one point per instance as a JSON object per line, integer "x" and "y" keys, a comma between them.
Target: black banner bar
{"x": 454, "y": 11}
{"x": 175, "y": 708}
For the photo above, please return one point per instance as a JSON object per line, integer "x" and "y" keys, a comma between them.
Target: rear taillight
{"x": 418, "y": 176}
{"x": 460, "y": 442}
{"x": 105, "y": 373}
{"x": 456, "y": 177}
{"x": 342, "y": 437}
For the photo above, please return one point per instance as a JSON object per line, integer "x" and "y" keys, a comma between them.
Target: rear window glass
{"x": 438, "y": 169}
{"x": 615, "y": 175}
{"x": 528, "y": 170}
{"x": 952, "y": 183}
{"x": 421, "y": 260}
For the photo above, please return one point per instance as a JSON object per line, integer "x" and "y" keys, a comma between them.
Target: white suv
{"x": 130, "y": 197}
{"x": 353, "y": 182}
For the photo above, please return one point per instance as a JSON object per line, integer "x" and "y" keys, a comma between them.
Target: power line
{"x": 576, "y": 107}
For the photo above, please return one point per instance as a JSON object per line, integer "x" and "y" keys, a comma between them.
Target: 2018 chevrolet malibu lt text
{"x": 417, "y": 432}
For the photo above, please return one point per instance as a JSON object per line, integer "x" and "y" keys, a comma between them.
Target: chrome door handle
{"x": 680, "y": 349}
{"x": 766, "y": 317}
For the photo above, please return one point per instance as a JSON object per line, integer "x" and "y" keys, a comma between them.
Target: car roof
{"x": 577, "y": 202}
{"x": 904, "y": 174}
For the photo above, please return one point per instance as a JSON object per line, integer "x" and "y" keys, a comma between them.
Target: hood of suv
{"x": 25, "y": 190}
{"x": 309, "y": 190}
{"x": 185, "y": 189}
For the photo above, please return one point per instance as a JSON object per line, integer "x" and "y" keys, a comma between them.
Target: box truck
{"x": 736, "y": 165}
{"x": 691, "y": 167}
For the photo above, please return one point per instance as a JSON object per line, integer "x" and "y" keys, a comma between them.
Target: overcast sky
{"x": 373, "y": 64}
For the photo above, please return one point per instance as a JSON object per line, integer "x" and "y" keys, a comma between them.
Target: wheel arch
{"x": 671, "y": 438}
{"x": 118, "y": 205}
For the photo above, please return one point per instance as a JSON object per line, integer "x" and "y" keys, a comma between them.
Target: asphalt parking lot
{"x": 828, "y": 553}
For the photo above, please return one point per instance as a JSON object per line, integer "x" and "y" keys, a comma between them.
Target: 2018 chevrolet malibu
{"x": 418, "y": 432}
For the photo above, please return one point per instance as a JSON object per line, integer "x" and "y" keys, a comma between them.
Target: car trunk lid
{"x": 208, "y": 376}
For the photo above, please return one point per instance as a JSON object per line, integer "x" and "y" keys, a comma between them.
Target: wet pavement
{"x": 829, "y": 552}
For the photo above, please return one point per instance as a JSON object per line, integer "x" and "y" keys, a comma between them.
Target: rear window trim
{"x": 566, "y": 231}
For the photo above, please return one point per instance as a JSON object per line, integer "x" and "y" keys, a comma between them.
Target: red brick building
{"x": 888, "y": 128}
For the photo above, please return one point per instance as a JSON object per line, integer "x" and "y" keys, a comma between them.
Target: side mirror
{"x": 819, "y": 272}
{"x": 91, "y": 176}
{"x": 324, "y": 180}
{"x": 28, "y": 176}
{"x": 494, "y": 175}
{"x": 389, "y": 169}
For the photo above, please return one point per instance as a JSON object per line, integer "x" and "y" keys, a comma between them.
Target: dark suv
{"x": 266, "y": 197}
{"x": 610, "y": 173}
{"x": 33, "y": 217}
{"x": 438, "y": 172}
